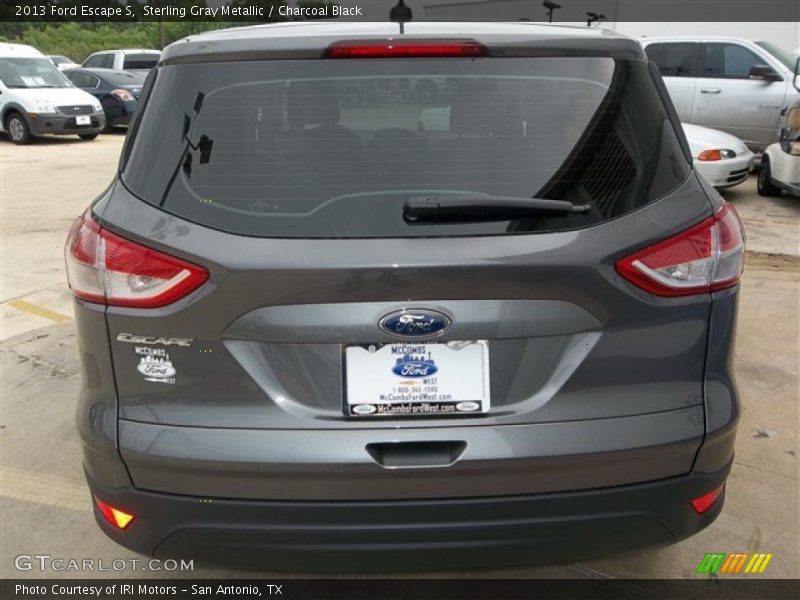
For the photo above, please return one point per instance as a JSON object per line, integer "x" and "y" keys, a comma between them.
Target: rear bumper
{"x": 461, "y": 461}
{"x": 412, "y": 534}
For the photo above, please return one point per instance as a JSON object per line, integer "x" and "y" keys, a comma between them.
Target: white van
{"x": 36, "y": 99}
{"x": 734, "y": 85}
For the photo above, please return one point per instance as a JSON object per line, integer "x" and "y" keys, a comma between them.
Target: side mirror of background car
{"x": 764, "y": 73}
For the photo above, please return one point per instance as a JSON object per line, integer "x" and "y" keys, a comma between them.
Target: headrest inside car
{"x": 482, "y": 110}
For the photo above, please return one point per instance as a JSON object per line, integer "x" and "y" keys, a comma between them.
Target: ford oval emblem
{"x": 414, "y": 366}
{"x": 415, "y": 323}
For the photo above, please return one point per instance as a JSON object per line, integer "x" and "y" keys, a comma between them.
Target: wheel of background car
{"x": 87, "y": 136}
{"x": 18, "y": 129}
{"x": 765, "y": 185}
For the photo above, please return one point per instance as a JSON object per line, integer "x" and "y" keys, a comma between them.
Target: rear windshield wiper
{"x": 478, "y": 207}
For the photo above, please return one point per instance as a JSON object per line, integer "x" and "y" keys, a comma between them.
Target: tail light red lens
{"x": 705, "y": 258}
{"x": 105, "y": 268}
{"x": 118, "y": 518}
{"x": 406, "y": 49}
{"x": 702, "y": 503}
{"x": 123, "y": 95}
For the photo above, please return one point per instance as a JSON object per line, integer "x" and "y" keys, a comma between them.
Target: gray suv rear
{"x": 330, "y": 322}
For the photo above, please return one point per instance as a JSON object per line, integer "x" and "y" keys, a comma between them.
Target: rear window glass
{"x": 140, "y": 61}
{"x": 327, "y": 148}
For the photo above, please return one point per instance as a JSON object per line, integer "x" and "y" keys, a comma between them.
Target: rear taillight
{"x": 702, "y": 259}
{"x": 123, "y": 95}
{"x": 410, "y": 48}
{"x": 105, "y": 268}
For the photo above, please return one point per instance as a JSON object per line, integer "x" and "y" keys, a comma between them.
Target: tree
{"x": 265, "y": 6}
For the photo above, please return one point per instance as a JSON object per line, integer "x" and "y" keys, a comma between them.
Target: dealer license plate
{"x": 408, "y": 379}
{"x": 83, "y": 120}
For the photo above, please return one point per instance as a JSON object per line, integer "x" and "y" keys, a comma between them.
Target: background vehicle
{"x": 118, "y": 91}
{"x": 780, "y": 164}
{"x": 62, "y": 63}
{"x": 137, "y": 60}
{"x": 723, "y": 159}
{"x": 265, "y": 290}
{"x": 36, "y": 99}
{"x": 730, "y": 84}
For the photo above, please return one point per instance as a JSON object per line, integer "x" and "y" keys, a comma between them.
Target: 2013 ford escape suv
{"x": 319, "y": 335}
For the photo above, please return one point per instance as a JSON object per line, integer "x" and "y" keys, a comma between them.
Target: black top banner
{"x": 250, "y": 11}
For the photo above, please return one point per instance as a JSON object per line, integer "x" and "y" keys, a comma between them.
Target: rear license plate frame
{"x": 415, "y": 392}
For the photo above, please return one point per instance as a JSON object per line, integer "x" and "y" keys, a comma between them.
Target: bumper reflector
{"x": 118, "y": 518}
{"x": 706, "y": 501}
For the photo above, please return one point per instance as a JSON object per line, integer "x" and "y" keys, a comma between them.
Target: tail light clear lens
{"x": 702, "y": 259}
{"x": 106, "y": 268}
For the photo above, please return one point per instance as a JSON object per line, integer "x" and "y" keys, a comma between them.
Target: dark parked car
{"x": 320, "y": 335}
{"x": 118, "y": 91}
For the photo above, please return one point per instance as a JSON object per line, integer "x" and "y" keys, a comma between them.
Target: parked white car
{"x": 138, "y": 60}
{"x": 721, "y": 158}
{"x": 36, "y": 99}
{"x": 734, "y": 85}
{"x": 780, "y": 164}
{"x": 63, "y": 63}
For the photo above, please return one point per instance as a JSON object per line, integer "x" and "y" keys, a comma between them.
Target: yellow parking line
{"x": 30, "y": 486}
{"x": 38, "y": 311}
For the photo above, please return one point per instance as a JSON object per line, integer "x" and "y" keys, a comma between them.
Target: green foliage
{"x": 318, "y": 4}
{"x": 265, "y": 6}
{"x": 77, "y": 40}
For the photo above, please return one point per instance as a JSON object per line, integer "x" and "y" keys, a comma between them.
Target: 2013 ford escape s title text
{"x": 446, "y": 298}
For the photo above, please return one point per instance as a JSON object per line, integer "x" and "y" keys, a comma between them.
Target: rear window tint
{"x": 140, "y": 61}
{"x": 334, "y": 148}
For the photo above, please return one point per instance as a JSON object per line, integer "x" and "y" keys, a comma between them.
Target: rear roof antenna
{"x": 594, "y": 18}
{"x": 401, "y": 14}
{"x": 550, "y": 6}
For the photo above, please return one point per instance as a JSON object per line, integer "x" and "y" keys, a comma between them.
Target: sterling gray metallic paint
{"x": 592, "y": 369}
{"x": 595, "y": 384}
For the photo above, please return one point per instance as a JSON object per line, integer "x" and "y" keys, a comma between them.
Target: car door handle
{"x": 710, "y": 90}
{"x": 411, "y": 455}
